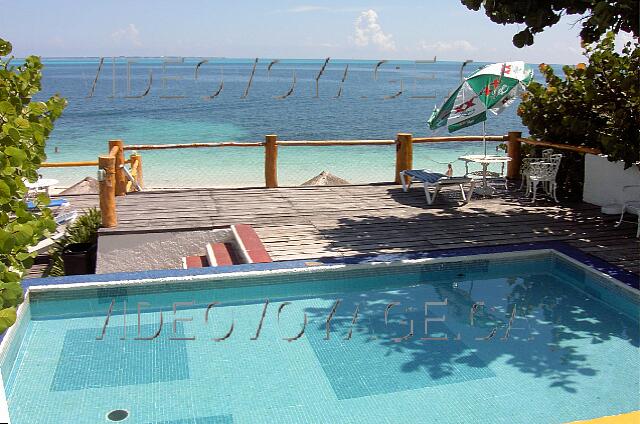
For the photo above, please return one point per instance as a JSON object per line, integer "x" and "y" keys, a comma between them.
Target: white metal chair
{"x": 545, "y": 173}
{"x": 631, "y": 204}
{"x": 525, "y": 166}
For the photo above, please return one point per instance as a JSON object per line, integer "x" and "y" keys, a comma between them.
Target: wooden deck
{"x": 312, "y": 222}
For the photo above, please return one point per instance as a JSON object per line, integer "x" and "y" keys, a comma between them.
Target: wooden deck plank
{"x": 311, "y": 222}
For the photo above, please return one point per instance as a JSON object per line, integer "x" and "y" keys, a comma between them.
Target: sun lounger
{"x": 434, "y": 181}
{"x": 62, "y": 220}
{"x": 54, "y": 203}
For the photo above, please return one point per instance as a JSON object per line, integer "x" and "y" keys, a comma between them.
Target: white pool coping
{"x": 4, "y": 407}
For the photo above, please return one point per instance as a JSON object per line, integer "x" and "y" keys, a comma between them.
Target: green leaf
{"x": 7, "y": 318}
{"x": 38, "y": 107}
{"x": 43, "y": 199}
{"x": 11, "y": 292}
{"x": 13, "y": 133}
{"x": 5, "y": 192}
{"x": 7, "y": 110}
{"x": 22, "y": 122}
{"x": 5, "y": 47}
{"x": 18, "y": 155}
{"x": 7, "y": 241}
{"x": 23, "y": 234}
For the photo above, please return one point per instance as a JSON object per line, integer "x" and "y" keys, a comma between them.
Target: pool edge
{"x": 605, "y": 271}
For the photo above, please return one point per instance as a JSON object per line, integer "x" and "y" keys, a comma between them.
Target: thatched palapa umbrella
{"x": 325, "y": 179}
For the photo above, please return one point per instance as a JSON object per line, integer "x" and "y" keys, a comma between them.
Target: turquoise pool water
{"x": 570, "y": 352}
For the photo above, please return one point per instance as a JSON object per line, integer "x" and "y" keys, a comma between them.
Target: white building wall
{"x": 603, "y": 180}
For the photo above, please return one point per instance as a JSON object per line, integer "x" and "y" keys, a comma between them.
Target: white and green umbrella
{"x": 493, "y": 88}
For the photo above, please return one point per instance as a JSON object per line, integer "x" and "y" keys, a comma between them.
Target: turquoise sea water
{"x": 571, "y": 351}
{"x": 361, "y": 112}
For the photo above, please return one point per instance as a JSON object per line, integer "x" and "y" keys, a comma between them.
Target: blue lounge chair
{"x": 54, "y": 203}
{"x": 434, "y": 181}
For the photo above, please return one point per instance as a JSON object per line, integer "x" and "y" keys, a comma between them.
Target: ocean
{"x": 189, "y": 100}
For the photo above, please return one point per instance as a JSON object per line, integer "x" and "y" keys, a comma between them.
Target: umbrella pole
{"x": 484, "y": 136}
{"x": 484, "y": 123}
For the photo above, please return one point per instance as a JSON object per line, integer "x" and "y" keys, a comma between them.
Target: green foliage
{"x": 24, "y": 127}
{"x": 597, "y": 105}
{"x": 598, "y": 16}
{"x": 82, "y": 230}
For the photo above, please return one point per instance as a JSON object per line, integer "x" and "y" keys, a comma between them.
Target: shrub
{"x": 24, "y": 127}
{"x": 597, "y": 105}
{"x": 82, "y": 230}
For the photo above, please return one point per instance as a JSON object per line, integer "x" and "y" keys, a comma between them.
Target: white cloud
{"x": 368, "y": 31}
{"x": 130, "y": 34}
{"x": 447, "y": 46}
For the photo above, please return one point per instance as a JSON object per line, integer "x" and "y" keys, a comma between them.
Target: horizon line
{"x": 248, "y": 58}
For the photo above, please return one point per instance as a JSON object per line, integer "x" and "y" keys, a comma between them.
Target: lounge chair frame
{"x": 433, "y": 182}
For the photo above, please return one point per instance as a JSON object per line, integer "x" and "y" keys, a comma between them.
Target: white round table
{"x": 43, "y": 184}
{"x": 485, "y": 161}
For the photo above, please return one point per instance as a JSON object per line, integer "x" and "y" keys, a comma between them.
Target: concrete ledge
{"x": 630, "y": 418}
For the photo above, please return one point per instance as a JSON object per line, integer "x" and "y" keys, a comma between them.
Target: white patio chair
{"x": 631, "y": 196}
{"x": 434, "y": 181}
{"x": 545, "y": 173}
{"x": 546, "y": 153}
{"x": 555, "y": 159}
{"x": 525, "y": 167}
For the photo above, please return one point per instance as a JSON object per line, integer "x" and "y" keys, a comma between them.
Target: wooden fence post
{"x": 513, "y": 151}
{"x": 137, "y": 159}
{"x": 107, "y": 191}
{"x": 121, "y": 178}
{"x": 271, "y": 161}
{"x": 404, "y": 154}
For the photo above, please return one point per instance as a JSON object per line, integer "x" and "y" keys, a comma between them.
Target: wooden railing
{"x": 112, "y": 178}
{"x": 68, "y": 164}
{"x": 114, "y": 181}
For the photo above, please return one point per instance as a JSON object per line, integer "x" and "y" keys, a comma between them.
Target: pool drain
{"x": 118, "y": 415}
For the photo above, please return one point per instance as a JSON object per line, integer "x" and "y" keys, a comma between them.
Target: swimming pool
{"x": 529, "y": 337}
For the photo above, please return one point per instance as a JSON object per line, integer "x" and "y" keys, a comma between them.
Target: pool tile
{"x": 215, "y": 419}
{"x": 89, "y": 363}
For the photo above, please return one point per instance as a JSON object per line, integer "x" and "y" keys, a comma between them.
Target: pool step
{"x": 194, "y": 262}
{"x": 245, "y": 247}
{"x": 251, "y": 248}
{"x": 221, "y": 254}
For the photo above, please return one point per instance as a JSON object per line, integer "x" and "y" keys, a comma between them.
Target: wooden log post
{"x": 137, "y": 159}
{"x": 271, "y": 161}
{"x": 121, "y": 178}
{"x": 404, "y": 154}
{"x": 107, "y": 191}
{"x": 513, "y": 151}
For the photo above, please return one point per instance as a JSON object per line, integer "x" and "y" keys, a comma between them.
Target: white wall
{"x": 603, "y": 180}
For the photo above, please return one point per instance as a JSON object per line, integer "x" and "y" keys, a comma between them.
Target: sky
{"x": 348, "y": 29}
